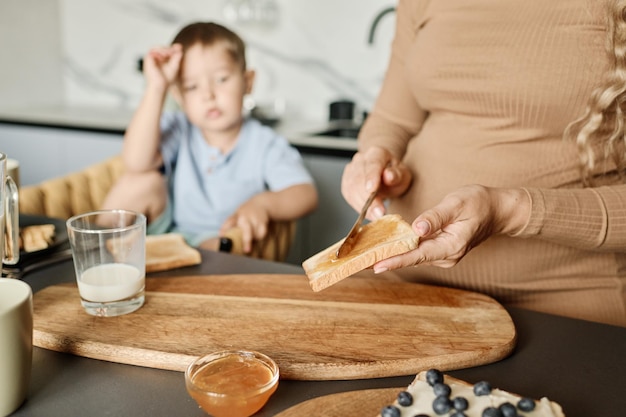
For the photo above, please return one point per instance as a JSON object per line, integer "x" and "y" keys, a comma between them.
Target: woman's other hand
{"x": 375, "y": 168}
{"x": 461, "y": 221}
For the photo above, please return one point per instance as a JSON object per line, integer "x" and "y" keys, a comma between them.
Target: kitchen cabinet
{"x": 333, "y": 218}
{"x": 47, "y": 152}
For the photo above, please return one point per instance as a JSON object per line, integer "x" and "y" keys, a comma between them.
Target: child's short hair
{"x": 208, "y": 34}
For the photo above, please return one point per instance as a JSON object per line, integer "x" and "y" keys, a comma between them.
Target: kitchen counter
{"x": 90, "y": 118}
{"x": 298, "y": 132}
{"x": 579, "y": 364}
{"x": 72, "y": 138}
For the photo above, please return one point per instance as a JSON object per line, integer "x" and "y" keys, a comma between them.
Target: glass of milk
{"x": 109, "y": 252}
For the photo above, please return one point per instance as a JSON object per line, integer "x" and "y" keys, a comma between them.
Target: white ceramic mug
{"x": 16, "y": 343}
{"x": 9, "y": 216}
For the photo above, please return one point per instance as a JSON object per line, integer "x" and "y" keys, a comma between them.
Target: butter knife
{"x": 348, "y": 242}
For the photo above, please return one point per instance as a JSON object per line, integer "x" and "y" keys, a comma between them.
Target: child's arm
{"x": 254, "y": 215}
{"x": 288, "y": 204}
{"x": 140, "y": 150}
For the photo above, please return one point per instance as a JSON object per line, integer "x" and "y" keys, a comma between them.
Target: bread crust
{"x": 36, "y": 237}
{"x": 387, "y": 236}
{"x": 169, "y": 251}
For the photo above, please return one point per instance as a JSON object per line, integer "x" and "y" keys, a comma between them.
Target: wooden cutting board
{"x": 363, "y": 403}
{"x": 359, "y": 328}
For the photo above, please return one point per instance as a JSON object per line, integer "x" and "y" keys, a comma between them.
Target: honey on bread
{"x": 387, "y": 236}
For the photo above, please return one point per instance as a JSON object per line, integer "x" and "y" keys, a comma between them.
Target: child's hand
{"x": 252, "y": 219}
{"x": 161, "y": 65}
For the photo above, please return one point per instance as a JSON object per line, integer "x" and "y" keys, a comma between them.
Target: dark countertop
{"x": 581, "y": 365}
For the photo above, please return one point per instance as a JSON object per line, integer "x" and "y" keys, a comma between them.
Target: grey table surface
{"x": 579, "y": 364}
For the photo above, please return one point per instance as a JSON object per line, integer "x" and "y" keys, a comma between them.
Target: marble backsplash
{"x": 306, "y": 53}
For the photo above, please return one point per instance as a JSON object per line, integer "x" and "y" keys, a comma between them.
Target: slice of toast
{"x": 387, "y": 236}
{"x": 169, "y": 251}
{"x": 36, "y": 237}
{"x": 420, "y": 396}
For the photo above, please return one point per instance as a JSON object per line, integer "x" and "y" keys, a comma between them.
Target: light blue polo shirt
{"x": 206, "y": 186}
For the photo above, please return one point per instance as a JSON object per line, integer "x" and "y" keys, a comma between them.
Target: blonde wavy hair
{"x": 600, "y": 133}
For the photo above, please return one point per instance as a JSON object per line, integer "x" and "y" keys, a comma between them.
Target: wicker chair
{"x": 83, "y": 191}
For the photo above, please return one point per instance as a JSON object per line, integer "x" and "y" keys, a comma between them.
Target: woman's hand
{"x": 161, "y": 65}
{"x": 375, "y": 168}
{"x": 460, "y": 222}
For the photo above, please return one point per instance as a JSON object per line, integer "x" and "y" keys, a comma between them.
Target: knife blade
{"x": 349, "y": 241}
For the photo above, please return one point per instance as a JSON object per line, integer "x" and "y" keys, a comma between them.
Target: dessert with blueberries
{"x": 432, "y": 394}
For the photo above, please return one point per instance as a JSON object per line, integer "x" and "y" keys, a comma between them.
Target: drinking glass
{"x": 108, "y": 248}
{"x": 9, "y": 215}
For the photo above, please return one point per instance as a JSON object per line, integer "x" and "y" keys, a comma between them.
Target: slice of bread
{"x": 432, "y": 389}
{"x": 169, "y": 251}
{"x": 36, "y": 237}
{"x": 387, "y": 236}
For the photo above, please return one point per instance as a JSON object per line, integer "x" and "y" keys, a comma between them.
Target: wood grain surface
{"x": 362, "y": 403}
{"x": 359, "y": 328}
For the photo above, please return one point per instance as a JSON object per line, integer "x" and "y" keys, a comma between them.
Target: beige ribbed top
{"x": 480, "y": 91}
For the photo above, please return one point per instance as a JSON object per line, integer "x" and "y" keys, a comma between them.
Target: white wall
{"x": 313, "y": 53}
{"x": 31, "y": 57}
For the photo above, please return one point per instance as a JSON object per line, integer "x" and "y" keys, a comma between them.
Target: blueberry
{"x": 405, "y": 399}
{"x": 482, "y": 388}
{"x": 421, "y": 415}
{"x": 441, "y": 389}
{"x": 442, "y": 404}
{"x": 508, "y": 410}
{"x": 460, "y": 403}
{"x": 434, "y": 376}
{"x": 390, "y": 411}
{"x": 458, "y": 414}
{"x": 526, "y": 404}
{"x": 491, "y": 412}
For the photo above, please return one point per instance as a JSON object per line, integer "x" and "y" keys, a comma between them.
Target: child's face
{"x": 211, "y": 88}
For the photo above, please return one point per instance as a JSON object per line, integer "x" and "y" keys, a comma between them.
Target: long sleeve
{"x": 590, "y": 218}
{"x": 397, "y": 116}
